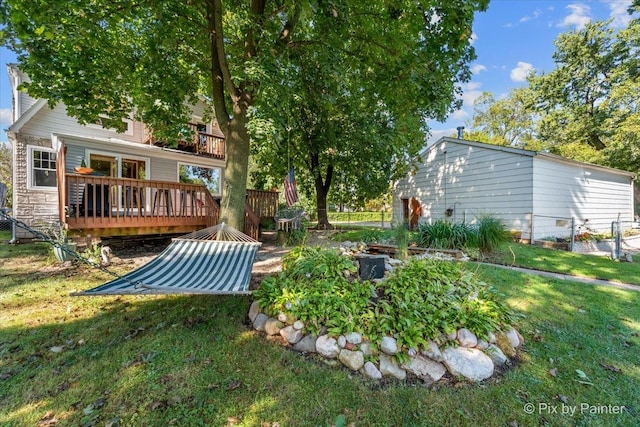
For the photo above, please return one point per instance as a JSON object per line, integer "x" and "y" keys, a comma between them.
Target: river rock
{"x": 353, "y": 360}
{"x": 259, "y": 321}
{"x": 514, "y": 337}
{"x": 272, "y": 326}
{"x": 424, "y": 368}
{"x": 482, "y": 345}
{"x": 306, "y": 345}
{"x": 291, "y": 334}
{"x": 367, "y": 349}
{"x": 389, "y": 345}
{"x": 496, "y": 355}
{"x": 432, "y": 351}
{"x": 353, "y": 338}
{"x": 254, "y": 310}
{"x": 371, "y": 371}
{"x": 390, "y": 368}
{"x": 342, "y": 341}
{"x": 327, "y": 346}
{"x": 298, "y": 324}
{"x": 470, "y": 363}
{"x": 505, "y": 345}
{"x": 466, "y": 338}
{"x": 492, "y": 338}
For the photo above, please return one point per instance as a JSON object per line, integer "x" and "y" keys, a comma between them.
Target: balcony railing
{"x": 202, "y": 143}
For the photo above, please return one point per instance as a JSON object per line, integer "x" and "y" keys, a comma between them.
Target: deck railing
{"x": 92, "y": 202}
{"x": 263, "y": 203}
{"x": 111, "y": 206}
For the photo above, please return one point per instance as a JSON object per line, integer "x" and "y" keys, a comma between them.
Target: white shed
{"x": 535, "y": 193}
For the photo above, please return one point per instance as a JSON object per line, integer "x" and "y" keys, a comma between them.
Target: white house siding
{"x": 580, "y": 191}
{"x": 477, "y": 180}
{"x": 55, "y": 120}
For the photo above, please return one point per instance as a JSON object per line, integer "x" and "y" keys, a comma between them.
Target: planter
{"x": 62, "y": 255}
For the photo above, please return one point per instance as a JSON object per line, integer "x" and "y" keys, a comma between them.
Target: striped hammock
{"x": 216, "y": 260}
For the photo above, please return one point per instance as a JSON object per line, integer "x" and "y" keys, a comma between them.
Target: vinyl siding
{"x": 48, "y": 121}
{"x": 472, "y": 180}
{"x": 581, "y": 192}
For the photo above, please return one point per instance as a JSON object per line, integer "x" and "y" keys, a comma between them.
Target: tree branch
{"x": 214, "y": 18}
{"x": 219, "y": 55}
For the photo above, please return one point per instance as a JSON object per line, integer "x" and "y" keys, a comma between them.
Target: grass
{"x": 592, "y": 266}
{"x": 181, "y": 360}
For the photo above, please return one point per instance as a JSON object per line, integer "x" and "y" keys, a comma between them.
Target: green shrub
{"x": 491, "y": 233}
{"x": 313, "y": 287}
{"x": 487, "y": 234}
{"x": 444, "y": 235}
{"x": 422, "y": 300}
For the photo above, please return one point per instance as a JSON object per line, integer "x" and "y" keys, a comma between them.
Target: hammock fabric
{"x": 216, "y": 260}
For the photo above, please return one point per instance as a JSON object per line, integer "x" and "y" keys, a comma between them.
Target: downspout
{"x": 13, "y": 140}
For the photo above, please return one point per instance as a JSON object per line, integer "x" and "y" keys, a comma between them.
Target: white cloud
{"x": 477, "y": 68}
{"x": 5, "y": 117}
{"x": 459, "y": 115}
{"x": 520, "y": 73}
{"x": 470, "y": 92}
{"x": 536, "y": 14}
{"x": 439, "y": 133}
{"x": 621, "y": 17}
{"x": 579, "y": 16}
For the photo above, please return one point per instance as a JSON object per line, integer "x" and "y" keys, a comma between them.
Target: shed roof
{"x": 528, "y": 153}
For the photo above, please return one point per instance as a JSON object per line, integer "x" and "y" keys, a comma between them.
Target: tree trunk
{"x": 322, "y": 190}
{"x": 235, "y": 172}
{"x": 321, "y": 198}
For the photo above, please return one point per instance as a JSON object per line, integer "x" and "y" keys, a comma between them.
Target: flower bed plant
{"x": 422, "y": 303}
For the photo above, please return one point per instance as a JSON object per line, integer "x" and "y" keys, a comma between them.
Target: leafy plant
{"x": 491, "y": 233}
{"x": 444, "y": 235}
{"x": 401, "y": 235}
{"x": 422, "y": 300}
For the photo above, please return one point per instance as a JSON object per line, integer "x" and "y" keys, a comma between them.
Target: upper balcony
{"x": 202, "y": 143}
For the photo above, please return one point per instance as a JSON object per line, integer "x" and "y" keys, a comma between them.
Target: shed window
{"x": 43, "y": 168}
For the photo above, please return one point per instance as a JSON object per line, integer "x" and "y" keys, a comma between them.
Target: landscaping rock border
{"x": 473, "y": 359}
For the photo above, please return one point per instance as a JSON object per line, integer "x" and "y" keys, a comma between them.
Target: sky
{"x": 511, "y": 38}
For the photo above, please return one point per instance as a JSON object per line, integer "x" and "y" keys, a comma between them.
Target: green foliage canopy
{"x": 247, "y": 59}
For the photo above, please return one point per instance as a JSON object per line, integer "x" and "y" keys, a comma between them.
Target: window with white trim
{"x": 42, "y": 168}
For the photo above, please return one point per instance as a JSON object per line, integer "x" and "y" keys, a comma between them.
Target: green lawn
{"x": 592, "y": 266}
{"x": 191, "y": 361}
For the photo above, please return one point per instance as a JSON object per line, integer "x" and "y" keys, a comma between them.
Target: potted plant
{"x": 60, "y": 236}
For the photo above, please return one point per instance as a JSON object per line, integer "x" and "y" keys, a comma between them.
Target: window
{"x": 42, "y": 163}
{"x": 193, "y": 174}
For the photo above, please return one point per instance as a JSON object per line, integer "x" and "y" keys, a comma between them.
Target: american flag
{"x": 290, "y": 191}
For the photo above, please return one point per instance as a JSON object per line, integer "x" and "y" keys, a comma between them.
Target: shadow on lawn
{"x": 157, "y": 357}
{"x": 193, "y": 360}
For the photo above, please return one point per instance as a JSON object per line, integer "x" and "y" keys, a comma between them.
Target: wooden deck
{"x": 104, "y": 206}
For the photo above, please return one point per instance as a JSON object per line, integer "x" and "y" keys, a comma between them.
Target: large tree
{"x": 506, "y": 121}
{"x": 574, "y": 99}
{"x": 355, "y": 111}
{"x": 157, "y": 57}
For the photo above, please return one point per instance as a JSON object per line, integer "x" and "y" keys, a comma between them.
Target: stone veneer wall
{"x": 30, "y": 206}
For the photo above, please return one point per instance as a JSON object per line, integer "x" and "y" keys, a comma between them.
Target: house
{"x": 102, "y": 183}
{"x": 536, "y": 194}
